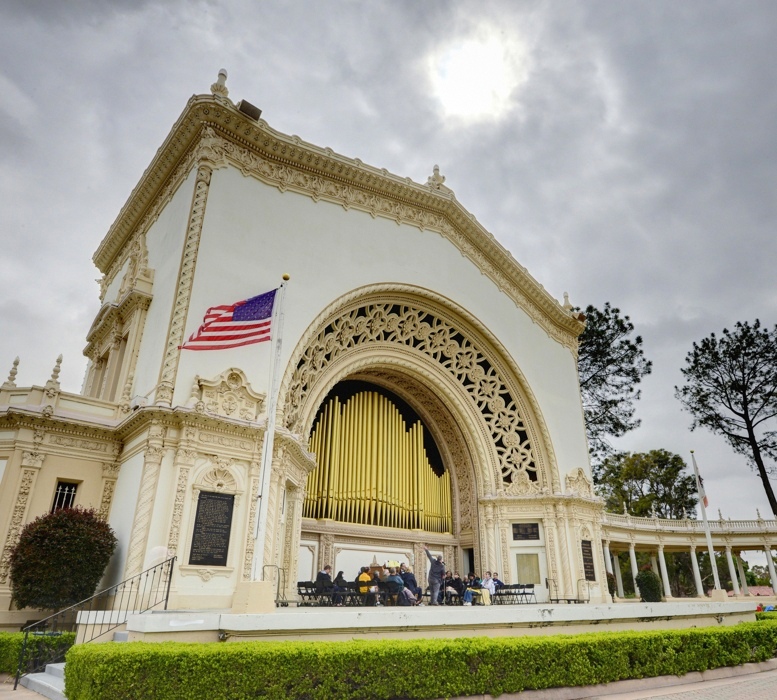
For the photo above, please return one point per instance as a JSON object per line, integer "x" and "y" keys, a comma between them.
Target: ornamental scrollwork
{"x": 407, "y": 325}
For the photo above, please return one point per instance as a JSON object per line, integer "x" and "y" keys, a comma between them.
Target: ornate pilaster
{"x": 184, "y": 460}
{"x": 248, "y": 560}
{"x": 326, "y": 551}
{"x": 152, "y": 463}
{"x": 164, "y": 393}
{"x": 294, "y": 499}
{"x": 110, "y": 475}
{"x": 31, "y": 465}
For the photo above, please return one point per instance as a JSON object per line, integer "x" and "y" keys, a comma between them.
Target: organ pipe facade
{"x": 373, "y": 468}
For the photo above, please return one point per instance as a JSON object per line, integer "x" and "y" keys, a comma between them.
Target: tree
{"x": 611, "y": 364}
{"x": 646, "y": 482}
{"x": 731, "y": 389}
{"x": 60, "y": 558}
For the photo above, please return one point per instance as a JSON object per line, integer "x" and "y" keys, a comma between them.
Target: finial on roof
{"x": 436, "y": 181}
{"x": 10, "y": 383}
{"x": 758, "y": 513}
{"x": 567, "y": 305}
{"x": 220, "y": 86}
{"x": 53, "y": 383}
{"x": 720, "y": 515}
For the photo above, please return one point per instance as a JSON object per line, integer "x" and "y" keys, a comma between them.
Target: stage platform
{"x": 334, "y": 623}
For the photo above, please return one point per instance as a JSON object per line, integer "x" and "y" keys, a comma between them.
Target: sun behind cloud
{"x": 474, "y": 78}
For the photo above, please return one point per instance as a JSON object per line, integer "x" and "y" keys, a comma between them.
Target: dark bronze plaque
{"x": 526, "y": 531}
{"x": 588, "y": 560}
{"x": 212, "y": 524}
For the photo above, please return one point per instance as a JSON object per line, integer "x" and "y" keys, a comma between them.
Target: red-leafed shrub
{"x": 60, "y": 558}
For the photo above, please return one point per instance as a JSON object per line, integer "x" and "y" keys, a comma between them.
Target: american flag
{"x": 242, "y": 323}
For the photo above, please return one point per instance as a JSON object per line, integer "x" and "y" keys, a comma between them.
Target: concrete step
{"x": 120, "y": 636}
{"x": 50, "y": 684}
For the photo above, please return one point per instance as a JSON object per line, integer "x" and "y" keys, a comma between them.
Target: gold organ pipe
{"x": 371, "y": 469}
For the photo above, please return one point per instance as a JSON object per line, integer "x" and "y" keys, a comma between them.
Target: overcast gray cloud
{"x": 621, "y": 152}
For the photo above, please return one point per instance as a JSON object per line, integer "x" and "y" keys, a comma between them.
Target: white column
{"x": 770, "y": 564}
{"x": 732, "y": 572}
{"x": 607, "y": 561}
{"x": 618, "y": 577}
{"x": 664, "y": 572}
{"x": 654, "y": 564}
{"x": 696, "y": 574}
{"x": 634, "y": 569}
{"x": 742, "y": 577}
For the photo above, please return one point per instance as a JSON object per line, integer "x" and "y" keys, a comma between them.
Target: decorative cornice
{"x": 289, "y": 163}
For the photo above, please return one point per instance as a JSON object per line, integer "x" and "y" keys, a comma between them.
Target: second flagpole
{"x": 710, "y": 549}
{"x": 260, "y": 529}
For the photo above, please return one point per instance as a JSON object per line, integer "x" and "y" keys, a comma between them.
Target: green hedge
{"x": 763, "y": 615}
{"x": 37, "y": 647}
{"x": 418, "y": 669}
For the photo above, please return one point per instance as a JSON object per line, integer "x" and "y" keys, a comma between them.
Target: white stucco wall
{"x": 125, "y": 497}
{"x": 253, "y": 233}
{"x": 164, "y": 241}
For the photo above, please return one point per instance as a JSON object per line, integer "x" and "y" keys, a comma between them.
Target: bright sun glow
{"x": 475, "y": 79}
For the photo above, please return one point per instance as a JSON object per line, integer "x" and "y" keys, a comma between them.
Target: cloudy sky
{"x": 623, "y": 152}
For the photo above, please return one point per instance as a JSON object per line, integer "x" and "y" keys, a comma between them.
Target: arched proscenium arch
{"x": 408, "y": 321}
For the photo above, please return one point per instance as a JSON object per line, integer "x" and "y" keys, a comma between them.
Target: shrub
{"x": 391, "y": 669}
{"x": 37, "y": 647}
{"x": 60, "y": 558}
{"x": 649, "y": 586}
{"x": 612, "y": 584}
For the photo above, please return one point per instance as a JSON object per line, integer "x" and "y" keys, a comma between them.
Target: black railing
{"x": 98, "y": 615}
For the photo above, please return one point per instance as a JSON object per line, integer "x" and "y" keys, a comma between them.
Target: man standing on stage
{"x": 436, "y": 575}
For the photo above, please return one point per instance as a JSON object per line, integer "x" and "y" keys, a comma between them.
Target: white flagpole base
{"x": 252, "y": 597}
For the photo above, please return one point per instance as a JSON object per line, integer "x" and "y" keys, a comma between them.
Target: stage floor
{"x": 333, "y": 623}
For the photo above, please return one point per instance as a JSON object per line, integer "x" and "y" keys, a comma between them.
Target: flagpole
{"x": 262, "y": 499}
{"x": 713, "y": 561}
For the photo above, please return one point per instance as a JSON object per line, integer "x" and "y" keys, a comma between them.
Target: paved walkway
{"x": 7, "y": 691}
{"x": 758, "y": 686}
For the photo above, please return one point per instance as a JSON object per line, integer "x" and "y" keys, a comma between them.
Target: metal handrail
{"x": 105, "y": 611}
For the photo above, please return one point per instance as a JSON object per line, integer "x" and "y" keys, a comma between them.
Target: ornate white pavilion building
{"x": 427, "y": 384}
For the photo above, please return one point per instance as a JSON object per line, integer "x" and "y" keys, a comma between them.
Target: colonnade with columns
{"x": 625, "y": 535}
{"x": 612, "y": 550}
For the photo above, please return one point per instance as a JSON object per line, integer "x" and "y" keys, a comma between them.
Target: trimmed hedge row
{"x": 393, "y": 669}
{"x": 763, "y": 615}
{"x": 37, "y": 647}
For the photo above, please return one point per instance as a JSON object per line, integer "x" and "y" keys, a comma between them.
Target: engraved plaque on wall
{"x": 526, "y": 531}
{"x": 588, "y": 560}
{"x": 210, "y": 541}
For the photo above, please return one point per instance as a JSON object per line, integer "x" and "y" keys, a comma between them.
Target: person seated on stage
{"x": 324, "y": 585}
{"x": 365, "y": 584}
{"x": 410, "y": 582}
{"x": 395, "y": 585}
{"x": 488, "y": 588}
{"x": 474, "y": 590}
{"x": 340, "y": 584}
{"x": 497, "y": 583}
{"x": 454, "y": 587}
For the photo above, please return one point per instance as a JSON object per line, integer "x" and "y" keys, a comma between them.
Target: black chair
{"x": 306, "y": 590}
{"x": 528, "y": 592}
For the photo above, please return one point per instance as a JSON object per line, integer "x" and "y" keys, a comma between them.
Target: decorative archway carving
{"x": 408, "y": 328}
